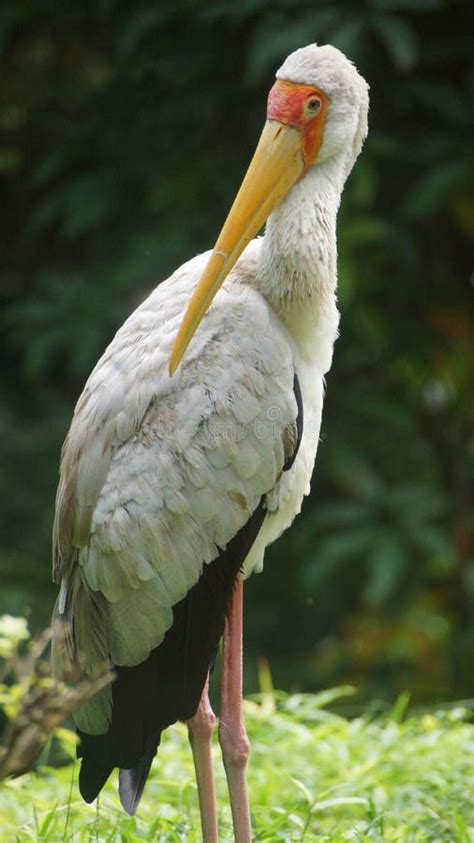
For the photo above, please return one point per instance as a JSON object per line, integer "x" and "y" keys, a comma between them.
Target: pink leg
{"x": 232, "y": 735}
{"x": 200, "y": 734}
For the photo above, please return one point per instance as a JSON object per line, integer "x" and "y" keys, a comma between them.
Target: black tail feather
{"x": 92, "y": 778}
{"x": 132, "y": 782}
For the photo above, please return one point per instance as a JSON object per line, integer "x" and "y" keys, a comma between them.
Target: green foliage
{"x": 12, "y": 632}
{"x": 125, "y": 129}
{"x": 313, "y": 775}
{"x": 33, "y": 705}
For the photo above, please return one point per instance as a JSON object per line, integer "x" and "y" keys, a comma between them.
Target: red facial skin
{"x": 289, "y": 103}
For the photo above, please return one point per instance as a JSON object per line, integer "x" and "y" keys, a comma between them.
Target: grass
{"x": 313, "y": 776}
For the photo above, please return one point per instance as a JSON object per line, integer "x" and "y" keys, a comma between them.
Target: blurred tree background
{"x": 125, "y": 129}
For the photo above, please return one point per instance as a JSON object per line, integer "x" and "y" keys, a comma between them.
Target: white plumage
{"x": 158, "y": 473}
{"x": 169, "y": 469}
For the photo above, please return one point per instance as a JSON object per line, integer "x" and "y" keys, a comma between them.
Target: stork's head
{"x": 317, "y": 110}
{"x": 328, "y": 100}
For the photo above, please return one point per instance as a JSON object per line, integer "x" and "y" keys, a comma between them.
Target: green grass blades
{"x": 313, "y": 776}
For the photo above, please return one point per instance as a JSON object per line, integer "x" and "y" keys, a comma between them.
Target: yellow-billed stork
{"x": 180, "y": 468}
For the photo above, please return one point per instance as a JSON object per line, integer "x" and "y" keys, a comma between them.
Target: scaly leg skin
{"x": 200, "y": 729}
{"x": 232, "y": 735}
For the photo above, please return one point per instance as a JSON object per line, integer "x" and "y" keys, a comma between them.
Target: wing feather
{"x": 158, "y": 475}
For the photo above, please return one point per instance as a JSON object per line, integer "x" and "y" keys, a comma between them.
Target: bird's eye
{"x": 313, "y": 105}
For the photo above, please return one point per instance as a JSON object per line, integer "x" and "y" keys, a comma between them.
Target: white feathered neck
{"x": 297, "y": 270}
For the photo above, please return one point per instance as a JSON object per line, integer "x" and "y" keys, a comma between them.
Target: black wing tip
{"x": 128, "y": 792}
{"x": 92, "y": 779}
{"x": 131, "y": 785}
{"x": 132, "y": 781}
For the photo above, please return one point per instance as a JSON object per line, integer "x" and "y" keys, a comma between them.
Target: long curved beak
{"x": 276, "y": 165}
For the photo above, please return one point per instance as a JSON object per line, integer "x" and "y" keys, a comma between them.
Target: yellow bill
{"x": 276, "y": 165}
